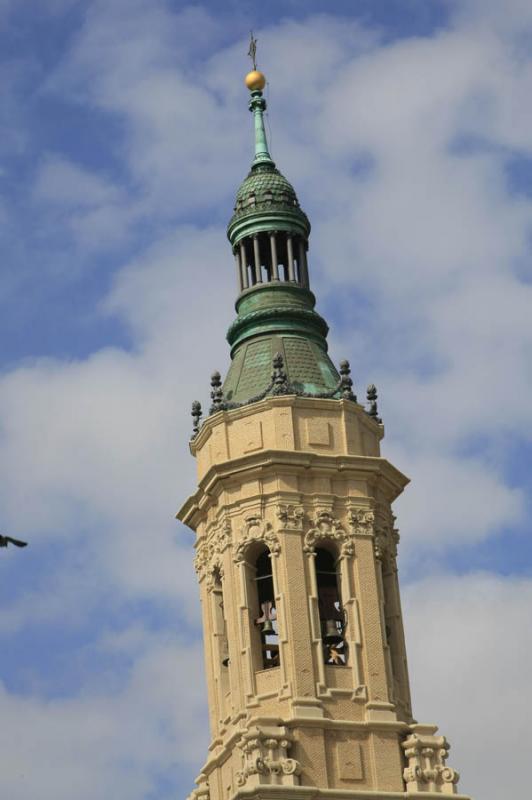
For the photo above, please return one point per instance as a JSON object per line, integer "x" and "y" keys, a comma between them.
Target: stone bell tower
{"x": 296, "y": 543}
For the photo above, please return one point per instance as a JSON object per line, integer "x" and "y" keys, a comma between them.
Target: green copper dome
{"x": 308, "y": 368}
{"x": 275, "y": 309}
{"x": 265, "y": 200}
{"x": 278, "y": 340}
{"x": 267, "y": 185}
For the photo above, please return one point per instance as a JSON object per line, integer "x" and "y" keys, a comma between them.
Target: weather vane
{"x": 252, "y": 52}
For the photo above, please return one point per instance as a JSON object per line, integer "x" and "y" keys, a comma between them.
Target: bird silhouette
{"x": 5, "y": 540}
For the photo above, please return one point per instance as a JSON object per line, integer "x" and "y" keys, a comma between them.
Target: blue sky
{"x": 406, "y": 129}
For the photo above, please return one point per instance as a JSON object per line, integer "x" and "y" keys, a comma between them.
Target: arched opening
{"x": 266, "y": 621}
{"x": 332, "y": 615}
{"x": 392, "y": 624}
{"x": 265, "y": 258}
{"x": 297, "y": 271}
{"x": 272, "y": 256}
{"x": 221, "y": 640}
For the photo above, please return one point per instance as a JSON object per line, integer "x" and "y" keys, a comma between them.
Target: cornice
{"x": 375, "y": 467}
{"x": 292, "y": 400}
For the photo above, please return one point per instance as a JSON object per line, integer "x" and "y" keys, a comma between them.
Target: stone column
{"x": 397, "y": 644}
{"x": 238, "y": 271}
{"x": 290, "y": 259}
{"x": 303, "y": 269}
{"x": 244, "y": 266}
{"x": 275, "y": 263}
{"x": 256, "y": 254}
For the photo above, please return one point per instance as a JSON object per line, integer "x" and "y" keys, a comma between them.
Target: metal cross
{"x": 252, "y": 52}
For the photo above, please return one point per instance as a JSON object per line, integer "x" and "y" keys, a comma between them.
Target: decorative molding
{"x": 378, "y": 523}
{"x": 361, "y": 521}
{"x": 255, "y": 529}
{"x": 209, "y": 554}
{"x": 427, "y": 770}
{"x": 290, "y": 516}
{"x": 380, "y": 546}
{"x": 326, "y": 527}
{"x": 202, "y": 791}
{"x": 395, "y": 540}
{"x": 279, "y": 382}
{"x": 223, "y": 535}
{"x": 265, "y": 758}
{"x": 386, "y": 534}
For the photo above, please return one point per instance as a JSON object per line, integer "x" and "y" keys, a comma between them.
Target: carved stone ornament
{"x": 386, "y": 535}
{"x": 202, "y": 791}
{"x": 426, "y": 770}
{"x": 380, "y": 546}
{"x": 209, "y": 554}
{"x": 326, "y": 527}
{"x": 255, "y": 529}
{"x": 265, "y": 759}
{"x": 361, "y": 521}
{"x": 290, "y": 516}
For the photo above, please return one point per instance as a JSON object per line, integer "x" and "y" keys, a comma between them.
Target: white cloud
{"x": 94, "y": 450}
{"x": 95, "y": 209}
{"x": 64, "y": 183}
{"x": 98, "y": 448}
{"x": 106, "y": 742}
{"x": 452, "y": 501}
{"x": 132, "y": 60}
{"x": 469, "y": 642}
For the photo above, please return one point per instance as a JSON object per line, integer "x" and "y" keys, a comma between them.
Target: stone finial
{"x": 372, "y": 400}
{"x": 279, "y": 377}
{"x": 346, "y": 382}
{"x": 265, "y": 758}
{"x": 196, "y": 416}
{"x": 427, "y": 770}
{"x": 216, "y": 393}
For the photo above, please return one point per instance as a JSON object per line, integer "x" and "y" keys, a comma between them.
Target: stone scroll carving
{"x": 427, "y": 770}
{"x": 208, "y": 560}
{"x": 325, "y": 526}
{"x": 265, "y": 758}
{"x": 290, "y": 516}
{"x": 361, "y": 521}
{"x": 378, "y": 523}
{"x": 255, "y": 529}
{"x": 202, "y": 791}
{"x": 386, "y": 535}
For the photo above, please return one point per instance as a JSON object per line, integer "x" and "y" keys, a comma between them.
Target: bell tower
{"x": 296, "y": 543}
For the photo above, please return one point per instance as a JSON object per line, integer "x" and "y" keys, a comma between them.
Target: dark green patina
{"x": 275, "y": 317}
{"x": 266, "y": 201}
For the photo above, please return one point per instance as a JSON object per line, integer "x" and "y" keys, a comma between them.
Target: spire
{"x": 269, "y": 234}
{"x": 256, "y": 81}
{"x": 257, "y": 105}
{"x": 267, "y": 208}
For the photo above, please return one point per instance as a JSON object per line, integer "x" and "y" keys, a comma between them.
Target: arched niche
{"x": 331, "y": 612}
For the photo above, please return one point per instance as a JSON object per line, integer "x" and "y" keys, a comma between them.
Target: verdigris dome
{"x": 266, "y": 200}
{"x": 264, "y": 186}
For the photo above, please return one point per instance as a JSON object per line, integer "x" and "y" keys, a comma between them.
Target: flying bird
{"x": 5, "y": 540}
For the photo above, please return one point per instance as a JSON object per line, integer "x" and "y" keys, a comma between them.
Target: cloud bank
{"x": 411, "y": 156}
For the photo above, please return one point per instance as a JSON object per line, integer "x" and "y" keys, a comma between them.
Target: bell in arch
{"x": 265, "y": 621}
{"x": 331, "y": 633}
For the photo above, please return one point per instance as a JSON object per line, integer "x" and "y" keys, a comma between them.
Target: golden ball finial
{"x": 255, "y": 81}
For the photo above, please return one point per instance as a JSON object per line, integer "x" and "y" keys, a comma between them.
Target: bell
{"x": 267, "y": 627}
{"x": 225, "y": 655}
{"x": 331, "y": 633}
{"x": 265, "y": 621}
